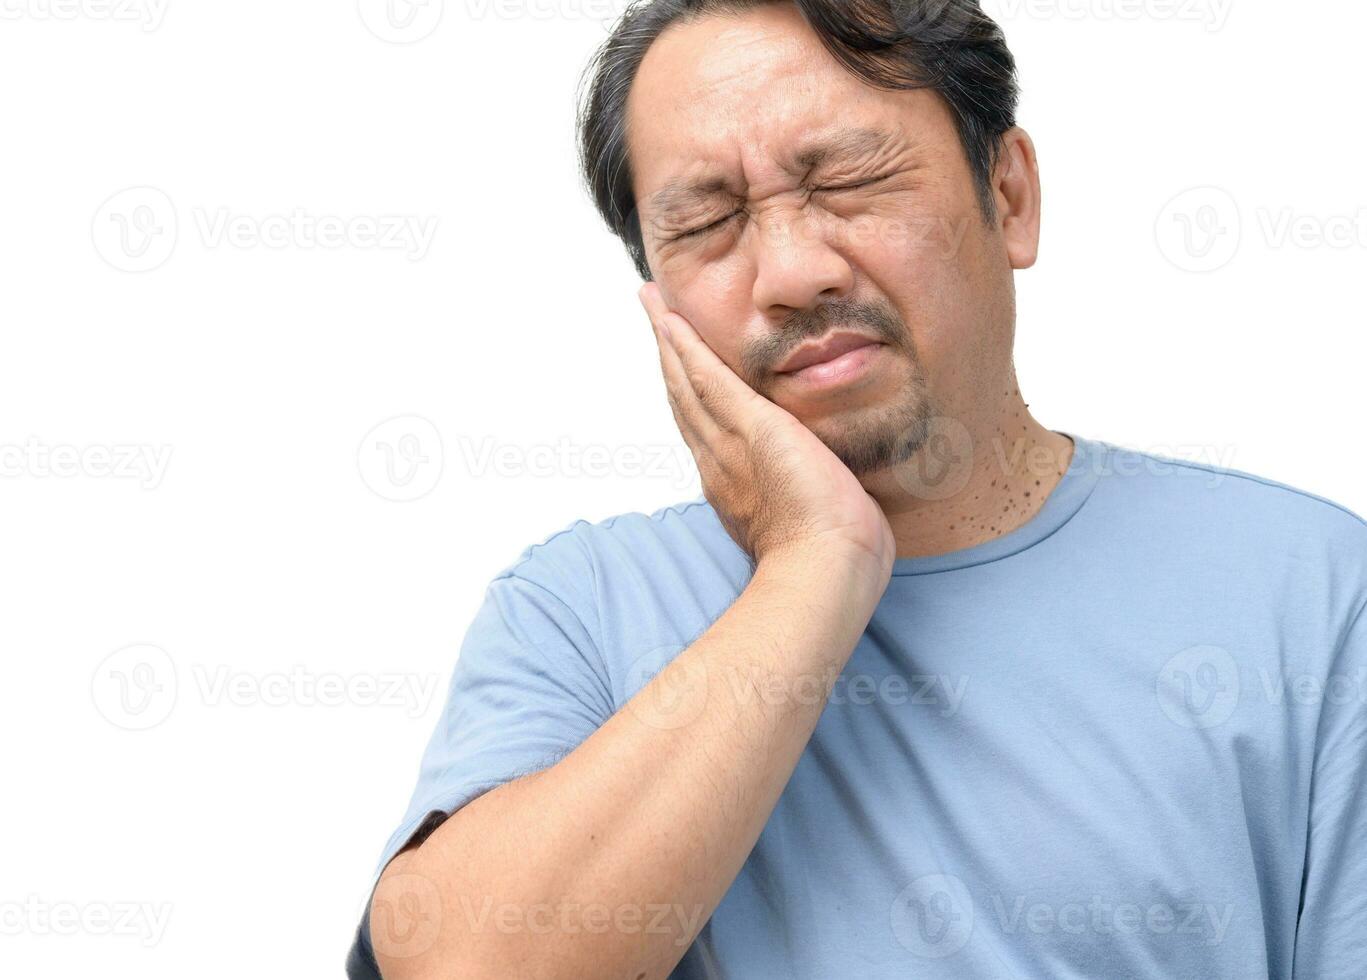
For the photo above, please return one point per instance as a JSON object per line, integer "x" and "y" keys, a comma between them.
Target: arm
{"x": 648, "y": 821}
{"x": 1331, "y": 930}
{"x": 563, "y": 873}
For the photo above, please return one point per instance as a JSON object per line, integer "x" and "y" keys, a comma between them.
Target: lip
{"x": 828, "y": 348}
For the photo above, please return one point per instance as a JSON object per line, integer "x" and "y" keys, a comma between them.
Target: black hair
{"x": 948, "y": 46}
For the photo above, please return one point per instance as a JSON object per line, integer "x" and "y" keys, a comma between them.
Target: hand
{"x": 776, "y": 487}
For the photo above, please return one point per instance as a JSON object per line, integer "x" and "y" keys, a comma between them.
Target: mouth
{"x": 836, "y": 359}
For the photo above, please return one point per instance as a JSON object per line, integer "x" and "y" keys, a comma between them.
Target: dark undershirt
{"x": 360, "y": 961}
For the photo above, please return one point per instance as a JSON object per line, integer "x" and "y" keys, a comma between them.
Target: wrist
{"x": 817, "y": 568}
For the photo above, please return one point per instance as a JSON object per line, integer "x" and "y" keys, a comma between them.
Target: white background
{"x": 249, "y": 543}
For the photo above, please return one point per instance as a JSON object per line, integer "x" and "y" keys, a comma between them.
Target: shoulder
{"x": 583, "y": 558}
{"x": 1251, "y": 510}
{"x": 1252, "y": 488}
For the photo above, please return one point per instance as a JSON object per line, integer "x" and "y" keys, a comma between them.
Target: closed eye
{"x": 706, "y": 228}
{"x": 818, "y": 190}
{"x": 852, "y": 187}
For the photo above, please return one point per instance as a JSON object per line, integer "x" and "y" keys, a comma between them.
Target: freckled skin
{"x": 733, "y": 96}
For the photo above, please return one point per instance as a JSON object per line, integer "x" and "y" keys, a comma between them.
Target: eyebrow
{"x": 844, "y": 144}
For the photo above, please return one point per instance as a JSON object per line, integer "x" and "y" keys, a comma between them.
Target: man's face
{"x": 782, "y": 248}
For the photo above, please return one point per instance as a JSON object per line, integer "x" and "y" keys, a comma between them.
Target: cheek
{"x": 717, "y": 302}
{"x": 930, "y": 250}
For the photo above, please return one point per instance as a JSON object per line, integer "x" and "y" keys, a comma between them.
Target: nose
{"x": 796, "y": 266}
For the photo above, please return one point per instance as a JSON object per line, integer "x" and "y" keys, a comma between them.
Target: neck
{"x": 971, "y": 482}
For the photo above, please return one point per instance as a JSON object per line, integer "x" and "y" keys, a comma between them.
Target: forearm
{"x": 609, "y": 862}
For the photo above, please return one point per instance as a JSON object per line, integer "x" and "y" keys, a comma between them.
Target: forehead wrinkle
{"x": 678, "y": 194}
{"x": 845, "y": 144}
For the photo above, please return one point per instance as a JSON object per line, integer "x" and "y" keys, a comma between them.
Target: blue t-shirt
{"x": 1126, "y": 740}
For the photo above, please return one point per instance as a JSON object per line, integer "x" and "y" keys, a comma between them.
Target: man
{"x": 918, "y": 687}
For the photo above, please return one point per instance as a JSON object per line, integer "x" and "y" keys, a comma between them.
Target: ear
{"x": 1015, "y": 187}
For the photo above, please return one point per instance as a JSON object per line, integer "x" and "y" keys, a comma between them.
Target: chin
{"x": 873, "y": 437}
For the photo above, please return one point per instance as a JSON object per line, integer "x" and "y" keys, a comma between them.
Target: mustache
{"x": 758, "y": 358}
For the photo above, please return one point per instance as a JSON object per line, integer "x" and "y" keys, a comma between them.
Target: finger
{"x": 688, "y": 427}
{"x": 689, "y": 412}
{"x": 723, "y": 395}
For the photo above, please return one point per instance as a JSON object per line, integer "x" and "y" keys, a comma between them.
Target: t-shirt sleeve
{"x": 527, "y": 688}
{"x": 1331, "y": 933}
